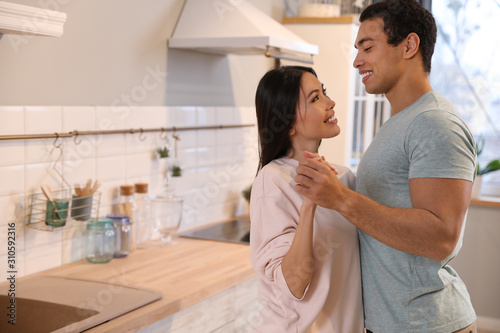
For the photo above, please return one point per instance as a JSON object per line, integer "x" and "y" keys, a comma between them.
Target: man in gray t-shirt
{"x": 414, "y": 181}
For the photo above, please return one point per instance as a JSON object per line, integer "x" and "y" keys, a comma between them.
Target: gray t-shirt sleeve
{"x": 439, "y": 145}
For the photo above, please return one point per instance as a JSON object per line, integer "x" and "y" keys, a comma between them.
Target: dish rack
{"x": 64, "y": 210}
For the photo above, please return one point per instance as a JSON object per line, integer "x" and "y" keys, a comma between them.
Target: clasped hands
{"x": 317, "y": 180}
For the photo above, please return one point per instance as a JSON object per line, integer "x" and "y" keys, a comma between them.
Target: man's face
{"x": 378, "y": 62}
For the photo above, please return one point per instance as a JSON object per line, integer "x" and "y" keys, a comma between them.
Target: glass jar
{"x": 100, "y": 240}
{"x": 123, "y": 238}
{"x": 127, "y": 201}
{"x": 128, "y": 207}
{"x": 142, "y": 218}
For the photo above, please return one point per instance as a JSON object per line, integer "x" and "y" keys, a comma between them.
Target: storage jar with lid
{"x": 100, "y": 240}
{"x": 123, "y": 239}
{"x": 142, "y": 219}
{"x": 128, "y": 207}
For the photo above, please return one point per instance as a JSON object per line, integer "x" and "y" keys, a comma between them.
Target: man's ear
{"x": 412, "y": 45}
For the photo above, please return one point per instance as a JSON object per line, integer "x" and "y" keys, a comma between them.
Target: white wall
{"x": 107, "y": 49}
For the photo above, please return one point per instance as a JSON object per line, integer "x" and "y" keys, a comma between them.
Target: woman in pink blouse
{"x": 306, "y": 257}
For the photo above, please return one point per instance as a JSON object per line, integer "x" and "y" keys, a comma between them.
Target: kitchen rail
{"x": 75, "y": 134}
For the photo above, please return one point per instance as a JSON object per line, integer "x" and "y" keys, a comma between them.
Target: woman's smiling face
{"x": 315, "y": 116}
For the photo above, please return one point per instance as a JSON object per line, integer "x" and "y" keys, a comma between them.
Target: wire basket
{"x": 64, "y": 210}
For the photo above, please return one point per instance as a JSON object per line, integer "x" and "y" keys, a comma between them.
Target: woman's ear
{"x": 292, "y": 131}
{"x": 412, "y": 45}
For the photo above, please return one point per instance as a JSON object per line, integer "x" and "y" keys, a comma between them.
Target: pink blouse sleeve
{"x": 273, "y": 225}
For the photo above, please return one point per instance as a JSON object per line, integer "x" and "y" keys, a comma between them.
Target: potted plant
{"x": 162, "y": 152}
{"x": 493, "y": 165}
{"x": 176, "y": 170}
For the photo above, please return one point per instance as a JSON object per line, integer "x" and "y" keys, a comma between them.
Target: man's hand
{"x": 316, "y": 179}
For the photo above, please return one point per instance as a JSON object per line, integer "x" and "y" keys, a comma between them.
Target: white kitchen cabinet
{"x": 233, "y": 310}
{"x": 359, "y": 114}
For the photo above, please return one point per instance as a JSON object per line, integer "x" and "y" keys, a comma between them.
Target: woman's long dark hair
{"x": 276, "y": 103}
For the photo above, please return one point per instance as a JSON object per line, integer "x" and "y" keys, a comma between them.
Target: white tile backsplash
{"x": 217, "y": 164}
{"x": 12, "y": 153}
{"x": 12, "y": 180}
{"x": 9, "y": 207}
{"x": 111, "y": 145}
{"x": 42, "y": 119}
{"x": 12, "y": 120}
{"x": 78, "y": 118}
{"x": 111, "y": 118}
{"x": 226, "y": 115}
{"x": 138, "y": 118}
{"x": 37, "y": 151}
{"x": 187, "y": 139}
{"x": 184, "y": 116}
{"x": 207, "y": 116}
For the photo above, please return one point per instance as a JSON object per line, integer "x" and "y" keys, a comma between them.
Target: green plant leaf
{"x": 492, "y": 166}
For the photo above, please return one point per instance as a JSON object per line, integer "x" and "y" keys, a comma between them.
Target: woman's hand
{"x": 315, "y": 156}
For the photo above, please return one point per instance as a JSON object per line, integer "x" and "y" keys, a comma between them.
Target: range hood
{"x": 236, "y": 27}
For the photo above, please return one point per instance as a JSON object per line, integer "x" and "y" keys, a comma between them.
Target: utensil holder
{"x": 81, "y": 207}
{"x": 57, "y": 212}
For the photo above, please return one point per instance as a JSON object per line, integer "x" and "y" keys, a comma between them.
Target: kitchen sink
{"x": 61, "y": 304}
{"x": 49, "y": 317}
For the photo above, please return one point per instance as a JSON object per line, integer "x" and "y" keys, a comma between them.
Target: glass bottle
{"x": 166, "y": 213}
{"x": 128, "y": 207}
{"x": 123, "y": 239}
{"x": 142, "y": 219}
{"x": 100, "y": 240}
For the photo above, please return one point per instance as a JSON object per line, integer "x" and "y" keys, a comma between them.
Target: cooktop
{"x": 235, "y": 231}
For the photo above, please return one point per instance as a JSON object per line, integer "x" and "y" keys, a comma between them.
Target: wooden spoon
{"x": 88, "y": 186}
{"x": 47, "y": 192}
{"x": 95, "y": 187}
{"x": 78, "y": 190}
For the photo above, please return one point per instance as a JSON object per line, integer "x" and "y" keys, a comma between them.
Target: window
{"x": 369, "y": 113}
{"x": 465, "y": 69}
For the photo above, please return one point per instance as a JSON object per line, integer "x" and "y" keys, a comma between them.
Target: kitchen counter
{"x": 186, "y": 274}
{"x": 486, "y": 202}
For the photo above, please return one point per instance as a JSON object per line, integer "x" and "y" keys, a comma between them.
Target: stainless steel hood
{"x": 236, "y": 27}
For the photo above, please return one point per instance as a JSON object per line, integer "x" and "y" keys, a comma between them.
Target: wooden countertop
{"x": 187, "y": 273}
{"x": 486, "y": 202}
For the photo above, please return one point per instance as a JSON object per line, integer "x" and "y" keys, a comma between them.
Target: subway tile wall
{"x": 217, "y": 166}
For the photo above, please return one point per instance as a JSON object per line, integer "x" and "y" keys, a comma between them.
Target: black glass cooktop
{"x": 235, "y": 231}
